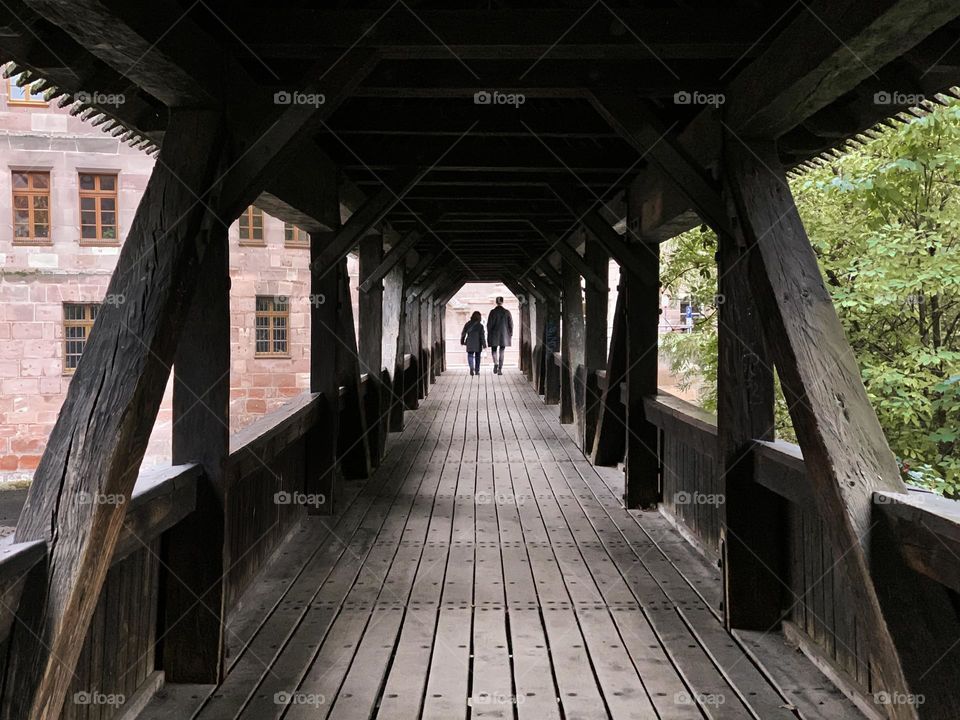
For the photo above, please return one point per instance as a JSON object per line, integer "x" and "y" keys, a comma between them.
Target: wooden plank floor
{"x": 487, "y": 570}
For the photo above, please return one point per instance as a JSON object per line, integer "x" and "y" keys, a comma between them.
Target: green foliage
{"x": 884, "y": 221}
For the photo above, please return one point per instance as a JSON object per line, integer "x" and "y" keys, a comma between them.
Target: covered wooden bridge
{"x": 404, "y": 542}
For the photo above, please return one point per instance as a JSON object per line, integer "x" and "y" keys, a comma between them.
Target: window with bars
{"x": 251, "y": 226}
{"x": 272, "y": 321}
{"x": 98, "y": 208}
{"x": 31, "y": 207}
{"x": 25, "y": 95}
{"x": 77, "y": 320}
{"x": 294, "y": 236}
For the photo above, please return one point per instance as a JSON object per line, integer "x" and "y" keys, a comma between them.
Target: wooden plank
{"x": 832, "y": 416}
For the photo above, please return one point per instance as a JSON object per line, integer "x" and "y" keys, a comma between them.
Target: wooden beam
{"x": 96, "y": 447}
{"x": 551, "y": 344}
{"x": 596, "y": 280}
{"x": 844, "y": 449}
{"x": 596, "y": 304}
{"x": 374, "y": 277}
{"x": 372, "y": 212}
{"x": 393, "y": 339}
{"x": 353, "y": 439}
{"x": 572, "y": 395}
{"x": 195, "y": 551}
{"x": 753, "y": 541}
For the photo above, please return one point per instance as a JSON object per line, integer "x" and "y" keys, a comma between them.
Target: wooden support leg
{"x": 98, "y": 442}
{"x": 571, "y": 349}
{"x": 426, "y": 359}
{"x": 194, "y": 551}
{"x": 393, "y": 343}
{"x": 595, "y": 333}
{"x": 642, "y": 464}
{"x": 911, "y": 635}
{"x": 370, "y": 344}
{"x": 610, "y": 441}
{"x": 353, "y": 447}
{"x": 551, "y": 383}
{"x": 322, "y": 465}
{"x": 411, "y": 377}
{"x": 753, "y": 537}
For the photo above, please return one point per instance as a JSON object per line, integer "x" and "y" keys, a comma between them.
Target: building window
{"x": 31, "y": 208}
{"x": 251, "y": 226}
{"x": 294, "y": 236}
{"x": 98, "y": 208}
{"x": 273, "y": 319}
{"x": 23, "y": 95}
{"x": 77, "y": 321}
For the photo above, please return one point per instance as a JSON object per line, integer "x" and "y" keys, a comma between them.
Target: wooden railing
{"x": 117, "y": 671}
{"x": 819, "y": 607}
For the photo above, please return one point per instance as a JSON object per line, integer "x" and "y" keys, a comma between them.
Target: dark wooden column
{"x": 642, "y": 318}
{"x": 426, "y": 355}
{"x": 411, "y": 346}
{"x": 753, "y": 542}
{"x": 97, "y": 445}
{"x": 370, "y": 343}
{"x": 910, "y": 625}
{"x": 610, "y": 440}
{"x": 571, "y": 348}
{"x": 352, "y": 438}
{"x": 595, "y": 333}
{"x": 551, "y": 371}
{"x": 194, "y": 551}
{"x": 539, "y": 350}
{"x": 322, "y": 465}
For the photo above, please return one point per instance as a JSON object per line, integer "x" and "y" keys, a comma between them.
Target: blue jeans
{"x": 473, "y": 360}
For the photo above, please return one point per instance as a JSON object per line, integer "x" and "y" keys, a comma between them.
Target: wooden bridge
{"x": 401, "y": 542}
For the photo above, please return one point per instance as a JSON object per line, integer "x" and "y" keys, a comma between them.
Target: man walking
{"x": 499, "y": 334}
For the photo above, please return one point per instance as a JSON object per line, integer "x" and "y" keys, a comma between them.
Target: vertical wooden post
{"x": 753, "y": 537}
{"x": 352, "y": 437}
{"x": 393, "y": 343}
{"x": 540, "y": 348}
{"x": 411, "y": 381}
{"x": 194, "y": 551}
{"x": 370, "y": 345}
{"x": 595, "y": 332}
{"x": 551, "y": 383}
{"x": 610, "y": 440}
{"x": 426, "y": 358}
{"x": 322, "y": 464}
{"x": 642, "y": 317}
{"x": 571, "y": 348}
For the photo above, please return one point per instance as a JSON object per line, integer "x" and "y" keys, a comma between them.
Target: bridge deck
{"x": 488, "y": 570}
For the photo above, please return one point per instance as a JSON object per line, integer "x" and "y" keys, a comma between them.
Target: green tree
{"x": 884, "y": 221}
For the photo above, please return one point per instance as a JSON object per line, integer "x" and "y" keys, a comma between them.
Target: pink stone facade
{"x": 36, "y": 281}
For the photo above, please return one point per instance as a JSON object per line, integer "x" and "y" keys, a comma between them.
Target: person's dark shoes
{"x": 471, "y": 372}
{"x": 495, "y": 368}
{"x": 500, "y": 370}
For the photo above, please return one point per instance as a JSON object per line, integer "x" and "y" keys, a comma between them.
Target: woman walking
{"x": 473, "y": 337}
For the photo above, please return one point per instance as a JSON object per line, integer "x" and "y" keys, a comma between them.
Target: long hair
{"x": 476, "y": 316}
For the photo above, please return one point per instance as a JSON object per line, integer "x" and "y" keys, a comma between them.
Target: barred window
{"x": 98, "y": 208}
{"x": 251, "y": 226}
{"x": 31, "y": 208}
{"x": 294, "y": 236}
{"x": 77, "y": 321}
{"x": 25, "y": 95}
{"x": 273, "y": 319}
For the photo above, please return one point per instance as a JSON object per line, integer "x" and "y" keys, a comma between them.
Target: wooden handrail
{"x": 16, "y": 562}
{"x": 671, "y": 414}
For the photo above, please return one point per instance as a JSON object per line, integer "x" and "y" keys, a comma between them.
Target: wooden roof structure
{"x": 453, "y": 141}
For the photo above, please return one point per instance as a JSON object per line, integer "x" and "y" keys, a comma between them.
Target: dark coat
{"x": 499, "y": 327}
{"x": 473, "y": 337}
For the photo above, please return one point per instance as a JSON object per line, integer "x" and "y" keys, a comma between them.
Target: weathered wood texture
{"x": 393, "y": 340}
{"x": 610, "y": 439}
{"x": 551, "y": 345}
{"x": 596, "y": 301}
{"x": 754, "y": 518}
{"x": 370, "y": 343}
{"x": 831, "y": 415}
{"x": 572, "y": 395}
{"x": 193, "y": 552}
{"x": 101, "y": 434}
{"x": 353, "y": 439}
